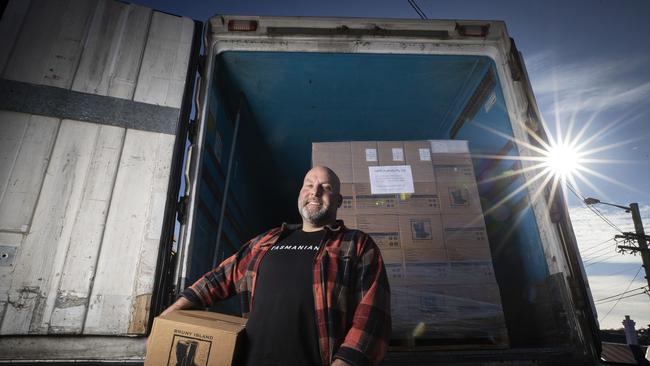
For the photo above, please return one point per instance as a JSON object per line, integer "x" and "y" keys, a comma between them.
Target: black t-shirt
{"x": 281, "y": 327}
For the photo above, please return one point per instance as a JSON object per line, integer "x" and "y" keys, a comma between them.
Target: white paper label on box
{"x": 425, "y": 155}
{"x": 398, "y": 154}
{"x": 391, "y": 179}
{"x": 449, "y": 146}
{"x": 371, "y": 154}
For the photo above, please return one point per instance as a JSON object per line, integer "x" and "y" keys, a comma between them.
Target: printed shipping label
{"x": 398, "y": 154}
{"x": 390, "y": 179}
{"x": 371, "y": 154}
{"x": 425, "y": 155}
{"x": 449, "y": 146}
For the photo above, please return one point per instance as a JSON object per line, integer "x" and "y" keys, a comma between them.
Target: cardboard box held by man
{"x": 192, "y": 337}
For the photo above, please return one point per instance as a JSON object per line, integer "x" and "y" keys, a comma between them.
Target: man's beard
{"x": 315, "y": 217}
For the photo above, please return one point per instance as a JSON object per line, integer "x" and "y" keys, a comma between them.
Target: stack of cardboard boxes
{"x": 419, "y": 201}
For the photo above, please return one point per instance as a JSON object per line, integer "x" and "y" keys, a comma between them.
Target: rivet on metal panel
{"x": 7, "y": 255}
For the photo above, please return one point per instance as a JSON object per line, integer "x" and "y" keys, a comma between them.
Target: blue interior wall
{"x": 300, "y": 98}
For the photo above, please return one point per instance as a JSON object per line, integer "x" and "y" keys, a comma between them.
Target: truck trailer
{"x": 138, "y": 149}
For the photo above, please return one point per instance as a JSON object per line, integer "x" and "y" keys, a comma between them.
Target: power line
{"x": 609, "y": 298}
{"x": 417, "y": 9}
{"x": 624, "y": 297}
{"x": 607, "y": 221}
{"x": 602, "y": 260}
{"x": 622, "y": 293}
{"x": 592, "y": 247}
{"x": 593, "y": 258}
{"x": 593, "y": 209}
{"x": 637, "y": 236}
{"x": 602, "y": 216}
{"x": 593, "y": 254}
{"x": 596, "y": 256}
{"x": 619, "y": 272}
{"x": 596, "y": 252}
{"x": 619, "y": 299}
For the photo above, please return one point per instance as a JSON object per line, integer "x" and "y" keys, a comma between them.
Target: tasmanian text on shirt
{"x": 295, "y": 247}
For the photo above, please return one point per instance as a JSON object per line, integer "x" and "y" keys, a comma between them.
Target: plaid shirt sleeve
{"x": 217, "y": 284}
{"x": 367, "y": 340}
{"x": 226, "y": 279}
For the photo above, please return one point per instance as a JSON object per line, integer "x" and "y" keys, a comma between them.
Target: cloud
{"x": 593, "y": 86}
{"x": 610, "y": 273}
{"x": 592, "y": 232}
{"x": 637, "y": 307}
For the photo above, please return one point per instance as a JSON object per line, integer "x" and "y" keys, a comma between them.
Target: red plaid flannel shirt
{"x": 351, "y": 292}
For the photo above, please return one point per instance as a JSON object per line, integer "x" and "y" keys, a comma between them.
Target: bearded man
{"x": 315, "y": 293}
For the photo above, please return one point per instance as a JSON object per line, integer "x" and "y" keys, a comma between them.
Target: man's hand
{"x": 339, "y": 362}
{"x": 180, "y": 304}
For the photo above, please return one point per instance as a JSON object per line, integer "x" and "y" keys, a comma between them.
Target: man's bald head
{"x": 334, "y": 179}
{"x": 319, "y": 197}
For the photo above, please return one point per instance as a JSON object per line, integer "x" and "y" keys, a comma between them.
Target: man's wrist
{"x": 180, "y": 304}
{"x": 351, "y": 356}
{"x": 191, "y": 296}
{"x": 340, "y": 362}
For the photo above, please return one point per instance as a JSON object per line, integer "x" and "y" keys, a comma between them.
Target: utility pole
{"x": 639, "y": 236}
{"x": 641, "y": 239}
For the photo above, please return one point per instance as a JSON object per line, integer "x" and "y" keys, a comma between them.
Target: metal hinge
{"x": 192, "y": 130}
{"x": 181, "y": 209}
{"x": 201, "y": 62}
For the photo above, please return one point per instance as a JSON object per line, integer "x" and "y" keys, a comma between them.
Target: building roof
{"x": 623, "y": 354}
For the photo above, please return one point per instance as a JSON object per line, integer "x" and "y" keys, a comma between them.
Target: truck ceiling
{"x": 299, "y": 98}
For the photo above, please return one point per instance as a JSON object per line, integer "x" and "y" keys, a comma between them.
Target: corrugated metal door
{"x": 91, "y": 99}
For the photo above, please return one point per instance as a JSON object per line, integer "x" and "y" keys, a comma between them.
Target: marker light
{"x": 236, "y": 25}
{"x": 473, "y": 30}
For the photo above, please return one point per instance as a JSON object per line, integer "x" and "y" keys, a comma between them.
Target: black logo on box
{"x": 459, "y": 197}
{"x": 421, "y": 230}
{"x": 347, "y": 202}
{"x": 189, "y": 351}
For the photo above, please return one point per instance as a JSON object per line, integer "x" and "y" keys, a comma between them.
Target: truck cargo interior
{"x": 273, "y": 105}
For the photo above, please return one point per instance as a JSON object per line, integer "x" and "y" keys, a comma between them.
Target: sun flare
{"x": 557, "y": 161}
{"x": 563, "y": 160}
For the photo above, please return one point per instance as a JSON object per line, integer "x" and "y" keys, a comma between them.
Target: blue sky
{"x": 587, "y": 61}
